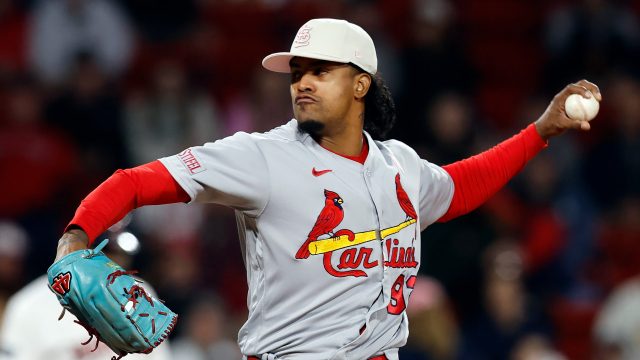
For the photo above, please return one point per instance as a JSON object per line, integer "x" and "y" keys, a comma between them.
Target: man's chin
{"x": 311, "y": 127}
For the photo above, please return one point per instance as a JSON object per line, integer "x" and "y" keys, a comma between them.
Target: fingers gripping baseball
{"x": 571, "y": 108}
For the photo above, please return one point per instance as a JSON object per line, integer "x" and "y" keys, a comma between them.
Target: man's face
{"x": 322, "y": 93}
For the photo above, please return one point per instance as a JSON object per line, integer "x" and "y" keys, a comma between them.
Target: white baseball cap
{"x": 331, "y": 40}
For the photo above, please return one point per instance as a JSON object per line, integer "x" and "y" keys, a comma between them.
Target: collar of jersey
{"x": 372, "y": 150}
{"x": 361, "y": 158}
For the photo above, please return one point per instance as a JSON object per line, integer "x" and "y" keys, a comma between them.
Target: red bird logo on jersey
{"x": 330, "y": 217}
{"x": 403, "y": 199}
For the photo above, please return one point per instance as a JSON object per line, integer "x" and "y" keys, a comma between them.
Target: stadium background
{"x": 90, "y": 86}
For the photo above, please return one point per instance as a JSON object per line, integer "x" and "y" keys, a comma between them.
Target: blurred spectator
{"x": 618, "y": 238}
{"x": 367, "y": 14}
{"x": 36, "y": 161}
{"x": 205, "y": 50}
{"x": 447, "y": 130}
{"x": 175, "y": 273}
{"x": 242, "y": 44}
{"x": 13, "y": 33}
{"x": 433, "y": 62}
{"x": 535, "y": 347}
{"x": 265, "y": 105}
{"x": 543, "y": 229}
{"x": 451, "y": 250}
{"x": 612, "y": 167}
{"x": 90, "y": 110}
{"x": 164, "y": 117}
{"x": 294, "y": 13}
{"x": 14, "y": 243}
{"x": 433, "y": 331}
{"x": 451, "y": 253}
{"x": 31, "y": 329}
{"x": 64, "y": 28}
{"x": 171, "y": 224}
{"x": 159, "y": 21}
{"x": 206, "y": 333}
{"x": 588, "y": 38}
{"x": 509, "y": 314}
{"x": 555, "y": 213}
{"x": 618, "y": 324}
{"x": 168, "y": 117}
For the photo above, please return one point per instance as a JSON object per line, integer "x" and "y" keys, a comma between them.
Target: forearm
{"x": 125, "y": 190}
{"x": 479, "y": 177}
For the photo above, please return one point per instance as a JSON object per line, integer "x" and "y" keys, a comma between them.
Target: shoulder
{"x": 284, "y": 134}
{"x": 395, "y": 145}
{"x": 397, "y": 149}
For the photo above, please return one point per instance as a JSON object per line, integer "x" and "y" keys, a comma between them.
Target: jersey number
{"x": 397, "y": 304}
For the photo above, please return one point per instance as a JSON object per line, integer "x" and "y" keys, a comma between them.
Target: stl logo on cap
{"x": 303, "y": 36}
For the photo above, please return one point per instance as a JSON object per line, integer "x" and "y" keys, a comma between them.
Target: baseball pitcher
{"x": 329, "y": 214}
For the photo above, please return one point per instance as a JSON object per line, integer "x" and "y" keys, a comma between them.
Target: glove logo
{"x": 61, "y": 283}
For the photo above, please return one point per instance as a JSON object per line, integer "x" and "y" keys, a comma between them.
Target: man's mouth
{"x": 304, "y": 99}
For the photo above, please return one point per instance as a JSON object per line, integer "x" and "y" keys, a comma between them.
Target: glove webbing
{"x": 134, "y": 293}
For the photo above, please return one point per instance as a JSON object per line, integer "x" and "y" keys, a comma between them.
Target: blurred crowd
{"x": 547, "y": 269}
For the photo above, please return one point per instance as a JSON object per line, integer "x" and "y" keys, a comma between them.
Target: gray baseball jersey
{"x": 331, "y": 246}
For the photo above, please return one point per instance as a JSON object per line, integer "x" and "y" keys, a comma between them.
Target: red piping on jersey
{"x": 479, "y": 177}
{"x": 361, "y": 158}
{"x": 125, "y": 190}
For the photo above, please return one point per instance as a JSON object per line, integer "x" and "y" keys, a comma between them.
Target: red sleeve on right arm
{"x": 479, "y": 177}
{"x": 125, "y": 190}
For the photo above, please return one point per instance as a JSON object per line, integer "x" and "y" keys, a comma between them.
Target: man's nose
{"x": 306, "y": 82}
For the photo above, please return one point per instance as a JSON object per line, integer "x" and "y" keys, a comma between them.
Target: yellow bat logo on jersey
{"x": 343, "y": 241}
{"x": 352, "y": 258}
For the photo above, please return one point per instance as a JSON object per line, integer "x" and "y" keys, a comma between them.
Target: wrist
{"x": 542, "y": 130}
{"x": 72, "y": 240}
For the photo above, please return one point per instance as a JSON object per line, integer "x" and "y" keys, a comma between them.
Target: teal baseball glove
{"x": 109, "y": 302}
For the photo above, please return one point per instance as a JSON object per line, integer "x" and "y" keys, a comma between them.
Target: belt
{"x": 378, "y": 357}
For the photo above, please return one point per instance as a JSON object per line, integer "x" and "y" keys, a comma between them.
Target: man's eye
{"x": 320, "y": 71}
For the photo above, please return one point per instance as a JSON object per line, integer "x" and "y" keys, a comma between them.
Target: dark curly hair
{"x": 379, "y": 108}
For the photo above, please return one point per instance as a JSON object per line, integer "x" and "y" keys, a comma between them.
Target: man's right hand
{"x": 72, "y": 240}
{"x": 555, "y": 121}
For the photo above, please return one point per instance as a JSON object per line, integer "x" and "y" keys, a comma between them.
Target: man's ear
{"x": 362, "y": 84}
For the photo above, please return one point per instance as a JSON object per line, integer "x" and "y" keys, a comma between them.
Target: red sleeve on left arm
{"x": 479, "y": 177}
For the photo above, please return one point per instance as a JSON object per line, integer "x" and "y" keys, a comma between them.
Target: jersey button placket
{"x": 367, "y": 173}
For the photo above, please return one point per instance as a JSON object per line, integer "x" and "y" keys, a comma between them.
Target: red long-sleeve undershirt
{"x": 125, "y": 190}
{"x": 475, "y": 180}
{"x": 479, "y": 177}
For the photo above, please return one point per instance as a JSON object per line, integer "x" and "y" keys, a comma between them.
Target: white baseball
{"x": 581, "y": 108}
